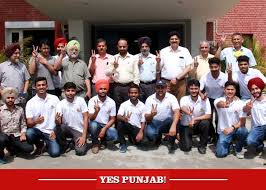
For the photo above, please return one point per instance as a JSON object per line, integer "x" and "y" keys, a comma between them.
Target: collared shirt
{"x": 230, "y": 55}
{"x": 136, "y": 111}
{"x": 77, "y": 73}
{"x": 42, "y": 71}
{"x": 213, "y": 87}
{"x": 165, "y": 108}
{"x": 107, "y": 109}
{"x": 173, "y": 62}
{"x": 203, "y": 67}
{"x": 199, "y": 108}
{"x": 147, "y": 70}
{"x": 229, "y": 116}
{"x": 13, "y": 75}
{"x": 101, "y": 66}
{"x": 37, "y": 106}
{"x": 72, "y": 112}
{"x": 58, "y": 78}
{"x": 127, "y": 70}
{"x": 12, "y": 122}
{"x": 242, "y": 80}
{"x": 258, "y": 113}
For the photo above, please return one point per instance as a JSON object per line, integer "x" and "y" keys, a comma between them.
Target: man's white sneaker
{"x": 240, "y": 155}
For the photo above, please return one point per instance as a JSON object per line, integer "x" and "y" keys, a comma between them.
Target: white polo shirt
{"x": 137, "y": 112}
{"x": 200, "y": 107}
{"x": 229, "y": 116}
{"x": 242, "y": 80}
{"x": 165, "y": 107}
{"x": 107, "y": 109}
{"x": 37, "y": 106}
{"x": 258, "y": 113}
{"x": 174, "y": 62}
{"x": 72, "y": 112}
{"x": 213, "y": 87}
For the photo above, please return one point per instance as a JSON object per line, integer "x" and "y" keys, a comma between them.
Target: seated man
{"x": 195, "y": 118}
{"x": 230, "y": 123}
{"x": 12, "y": 125}
{"x": 40, "y": 114}
{"x": 257, "y": 108}
{"x": 162, "y": 114}
{"x": 72, "y": 115}
{"x": 102, "y": 111}
{"x": 130, "y": 118}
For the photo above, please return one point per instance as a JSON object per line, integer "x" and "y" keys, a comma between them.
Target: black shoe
{"x": 202, "y": 150}
{"x": 39, "y": 149}
{"x": 158, "y": 142}
{"x": 171, "y": 148}
{"x": 259, "y": 150}
{"x": 103, "y": 145}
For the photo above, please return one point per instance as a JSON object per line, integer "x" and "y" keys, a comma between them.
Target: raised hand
{"x": 116, "y": 62}
{"x": 96, "y": 106}
{"x": 191, "y": 110}
{"x": 58, "y": 118}
{"x": 229, "y": 68}
{"x": 196, "y": 63}
{"x": 93, "y": 56}
{"x": 141, "y": 60}
{"x": 158, "y": 56}
{"x": 127, "y": 116}
{"x": 222, "y": 40}
{"x": 34, "y": 51}
{"x": 153, "y": 109}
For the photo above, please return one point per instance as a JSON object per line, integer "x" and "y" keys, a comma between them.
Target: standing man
{"x": 40, "y": 114}
{"x": 124, "y": 71}
{"x": 102, "y": 112}
{"x": 195, "y": 118}
{"x": 243, "y": 75}
{"x": 98, "y": 63}
{"x": 149, "y": 68}
{"x": 175, "y": 64}
{"x": 12, "y": 126}
{"x": 162, "y": 114}
{"x": 14, "y": 74}
{"x": 230, "y": 54}
{"x": 257, "y": 108}
{"x": 230, "y": 123}
{"x": 201, "y": 64}
{"x": 131, "y": 120}
{"x": 72, "y": 115}
{"x": 75, "y": 70}
{"x": 42, "y": 65}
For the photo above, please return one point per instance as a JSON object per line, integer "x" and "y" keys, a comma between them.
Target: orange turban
{"x": 257, "y": 81}
{"x": 101, "y": 83}
{"x": 58, "y": 41}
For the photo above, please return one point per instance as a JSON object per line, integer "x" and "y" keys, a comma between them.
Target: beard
{"x": 145, "y": 52}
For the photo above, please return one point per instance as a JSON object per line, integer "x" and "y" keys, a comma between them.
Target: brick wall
{"x": 17, "y": 10}
{"x": 247, "y": 17}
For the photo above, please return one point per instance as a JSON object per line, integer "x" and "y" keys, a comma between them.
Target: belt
{"x": 170, "y": 80}
{"x": 151, "y": 82}
{"x": 123, "y": 84}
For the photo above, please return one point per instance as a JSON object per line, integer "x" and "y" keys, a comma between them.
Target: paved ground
{"x": 136, "y": 158}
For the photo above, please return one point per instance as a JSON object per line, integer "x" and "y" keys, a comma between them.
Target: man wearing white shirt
{"x": 257, "y": 107}
{"x": 175, "y": 65}
{"x": 230, "y": 54}
{"x": 195, "y": 118}
{"x": 243, "y": 75}
{"x": 230, "y": 124}
{"x": 149, "y": 68}
{"x": 102, "y": 112}
{"x": 131, "y": 120}
{"x": 72, "y": 115}
{"x": 124, "y": 71}
{"x": 162, "y": 114}
{"x": 212, "y": 86}
{"x": 40, "y": 115}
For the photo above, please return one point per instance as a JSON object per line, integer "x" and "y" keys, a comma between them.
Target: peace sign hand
{"x": 96, "y": 106}
{"x": 196, "y": 63}
{"x": 35, "y": 51}
{"x": 127, "y": 116}
{"x": 116, "y": 62}
{"x": 153, "y": 110}
{"x": 93, "y": 56}
{"x": 58, "y": 118}
{"x": 158, "y": 56}
{"x": 141, "y": 60}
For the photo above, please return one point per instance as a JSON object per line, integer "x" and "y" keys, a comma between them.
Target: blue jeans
{"x": 34, "y": 135}
{"x": 224, "y": 141}
{"x": 256, "y": 137}
{"x": 95, "y": 128}
{"x": 156, "y": 128}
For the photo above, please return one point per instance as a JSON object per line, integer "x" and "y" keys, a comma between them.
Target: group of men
{"x": 144, "y": 96}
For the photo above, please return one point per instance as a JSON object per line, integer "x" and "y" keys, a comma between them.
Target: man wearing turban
{"x": 75, "y": 70}
{"x": 13, "y": 73}
{"x": 102, "y": 112}
{"x": 257, "y": 107}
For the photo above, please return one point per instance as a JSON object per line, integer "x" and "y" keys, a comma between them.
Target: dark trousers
{"x": 120, "y": 94}
{"x": 123, "y": 129}
{"x": 213, "y": 131}
{"x": 186, "y": 132}
{"x": 13, "y": 145}
{"x": 68, "y": 132}
{"x": 146, "y": 90}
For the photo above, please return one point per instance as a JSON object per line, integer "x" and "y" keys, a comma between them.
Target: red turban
{"x": 101, "y": 83}
{"x": 257, "y": 81}
{"x": 58, "y": 41}
{"x": 10, "y": 49}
